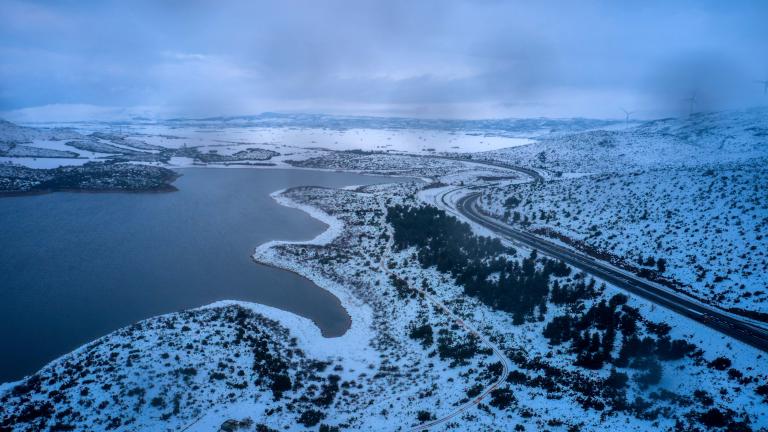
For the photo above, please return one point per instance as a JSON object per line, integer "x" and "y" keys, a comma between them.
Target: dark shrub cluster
{"x": 478, "y": 263}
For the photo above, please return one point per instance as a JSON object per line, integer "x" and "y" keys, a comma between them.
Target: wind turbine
{"x": 765, "y": 85}
{"x": 691, "y": 101}
{"x": 627, "y": 113}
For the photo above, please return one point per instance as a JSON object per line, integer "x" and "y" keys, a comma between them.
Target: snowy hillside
{"x": 710, "y": 225}
{"x": 172, "y": 369}
{"x": 702, "y": 138}
{"x": 11, "y": 133}
{"x": 690, "y": 191}
{"x": 471, "y": 332}
{"x": 412, "y": 355}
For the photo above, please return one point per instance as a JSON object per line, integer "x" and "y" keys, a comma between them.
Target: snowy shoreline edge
{"x": 308, "y": 334}
{"x": 355, "y": 339}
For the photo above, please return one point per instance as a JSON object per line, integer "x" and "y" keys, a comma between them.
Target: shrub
{"x": 616, "y": 379}
{"x": 448, "y": 348}
{"x": 713, "y": 418}
{"x": 651, "y": 376}
{"x": 280, "y": 384}
{"x": 329, "y": 390}
{"x": 502, "y": 398}
{"x": 720, "y": 363}
{"x": 762, "y": 390}
{"x": 310, "y": 418}
{"x": 474, "y": 390}
{"x": 422, "y": 333}
{"x": 676, "y": 349}
{"x": 423, "y": 416}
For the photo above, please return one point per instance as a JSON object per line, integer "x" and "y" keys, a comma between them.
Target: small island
{"x": 90, "y": 177}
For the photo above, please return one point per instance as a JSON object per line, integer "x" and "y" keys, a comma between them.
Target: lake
{"x": 76, "y": 266}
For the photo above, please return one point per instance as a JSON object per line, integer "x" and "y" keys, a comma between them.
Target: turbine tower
{"x": 765, "y": 86}
{"x": 627, "y": 114}
{"x": 691, "y": 102}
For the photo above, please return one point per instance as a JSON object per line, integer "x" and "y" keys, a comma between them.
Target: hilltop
{"x": 702, "y": 138}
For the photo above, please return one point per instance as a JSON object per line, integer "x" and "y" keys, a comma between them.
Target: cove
{"x": 76, "y": 266}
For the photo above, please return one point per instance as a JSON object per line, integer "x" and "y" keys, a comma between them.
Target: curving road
{"x": 530, "y": 172}
{"x": 740, "y": 328}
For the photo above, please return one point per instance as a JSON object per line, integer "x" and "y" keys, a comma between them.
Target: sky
{"x": 71, "y": 60}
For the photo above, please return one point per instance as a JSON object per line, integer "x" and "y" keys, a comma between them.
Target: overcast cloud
{"x": 414, "y": 58}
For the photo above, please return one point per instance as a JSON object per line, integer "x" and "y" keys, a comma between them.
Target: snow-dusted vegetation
{"x": 166, "y": 372}
{"x": 702, "y": 138}
{"x": 381, "y": 163}
{"x": 539, "y": 216}
{"x": 705, "y": 227}
{"x": 93, "y": 176}
{"x": 423, "y": 345}
{"x": 681, "y": 200}
{"x": 448, "y": 327}
{"x": 642, "y": 387}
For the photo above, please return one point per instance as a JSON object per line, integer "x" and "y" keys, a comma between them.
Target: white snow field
{"x": 690, "y": 191}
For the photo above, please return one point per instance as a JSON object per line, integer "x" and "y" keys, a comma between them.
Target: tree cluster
{"x": 566, "y": 294}
{"x": 592, "y": 336}
{"x": 422, "y": 333}
{"x": 478, "y": 263}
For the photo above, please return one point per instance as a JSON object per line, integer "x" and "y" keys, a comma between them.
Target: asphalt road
{"x": 723, "y": 322}
{"x": 535, "y": 175}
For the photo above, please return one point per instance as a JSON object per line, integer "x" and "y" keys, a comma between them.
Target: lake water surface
{"x": 76, "y": 266}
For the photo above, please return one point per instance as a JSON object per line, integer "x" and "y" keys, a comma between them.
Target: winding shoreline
{"x": 322, "y": 331}
{"x": 313, "y": 333}
{"x": 264, "y": 255}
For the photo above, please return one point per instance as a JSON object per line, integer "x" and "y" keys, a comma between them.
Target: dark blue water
{"x": 76, "y": 266}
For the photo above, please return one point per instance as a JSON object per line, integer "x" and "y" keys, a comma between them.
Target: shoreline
{"x": 312, "y": 333}
{"x": 322, "y": 332}
{"x": 354, "y": 342}
{"x": 261, "y": 254}
{"x": 168, "y": 189}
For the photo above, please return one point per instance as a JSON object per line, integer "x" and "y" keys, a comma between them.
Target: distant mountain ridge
{"x": 500, "y": 127}
{"x": 702, "y": 138}
{"x": 11, "y": 133}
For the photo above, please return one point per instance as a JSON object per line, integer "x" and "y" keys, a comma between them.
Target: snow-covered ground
{"x": 408, "y": 140}
{"x": 184, "y": 143}
{"x": 189, "y": 369}
{"x": 709, "y": 223}
{"x": 690, "y": 191}
{"x": 704, "y": 138}
{"x": 658, "y": 189}
{"x": 202, "y": 367}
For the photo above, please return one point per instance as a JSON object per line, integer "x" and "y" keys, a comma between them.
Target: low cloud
{"x": 432, "y": 58}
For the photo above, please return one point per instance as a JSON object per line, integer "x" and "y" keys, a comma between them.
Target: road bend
{"x": 739, "y": 328}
